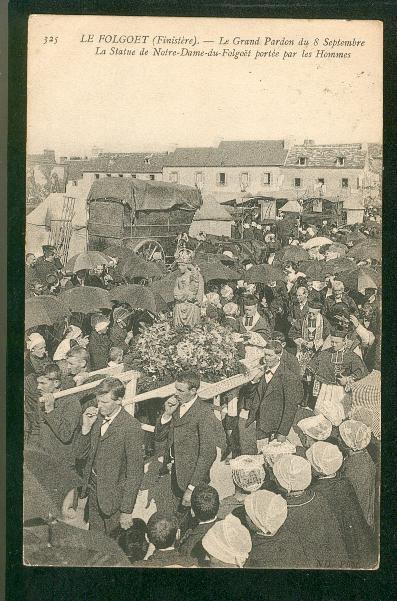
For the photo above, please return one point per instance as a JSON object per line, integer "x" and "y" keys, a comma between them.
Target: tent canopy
{"x": 142, "y": 195}
{"x": 211, "y": 210}
{"x": 51, "y": 210}
{"x": 292, "y": 206}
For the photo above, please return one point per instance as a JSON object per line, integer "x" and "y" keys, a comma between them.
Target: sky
{"x": 78, "y": 99}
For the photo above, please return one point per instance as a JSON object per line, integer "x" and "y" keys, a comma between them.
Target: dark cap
{"x": 314, "y": 303}
{"x": 249, "y": 300}
{"x": 48, "y": 248}
{"x": 338, "y": 332}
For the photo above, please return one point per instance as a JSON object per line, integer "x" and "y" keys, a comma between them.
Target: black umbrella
{"x": 293, "y": 253}
{"x": 138, "y": 297}
{"x": 339, "y": 265}
{"x": 86, "y": 299}
{"x": 165, "y": 286}
{"x": 314, "y": 270}
{"x": 44, "y": 310}
{"x": 136, "y": 267}
{"x": 366, "y": 250}
{"x": 217, "y": 271}
{"x": 264, "y": 274}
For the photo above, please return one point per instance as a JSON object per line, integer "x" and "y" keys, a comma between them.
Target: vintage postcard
{"x": 203, "y": 285}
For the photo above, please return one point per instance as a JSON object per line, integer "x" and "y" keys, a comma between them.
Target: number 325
{"x": 51, "y": 39}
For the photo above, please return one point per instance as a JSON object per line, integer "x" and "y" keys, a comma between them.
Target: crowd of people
{"x": 302, "y": 468}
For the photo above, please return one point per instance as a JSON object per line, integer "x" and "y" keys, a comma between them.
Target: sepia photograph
{"x": 203, "y": 293}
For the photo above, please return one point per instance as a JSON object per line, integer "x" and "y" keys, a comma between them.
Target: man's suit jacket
{"x": 329, "y": 303}
{"x": 118, "y": 456}
{"x": 274, "y": 405}
{"x": 190, "y": 543}
{"x": 296, "y": 313}
{"x": 290, "y": 362}
{"x": 262, "y": 327}
{"x": 194, "y": 438}
{"x": 58, "y": 430}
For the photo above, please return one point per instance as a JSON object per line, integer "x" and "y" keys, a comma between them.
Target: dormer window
{"x": 340, "y": 161}
{"x": 302, "y": 161}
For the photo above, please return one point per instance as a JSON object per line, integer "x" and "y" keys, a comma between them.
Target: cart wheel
{"x": 147, "y": 248}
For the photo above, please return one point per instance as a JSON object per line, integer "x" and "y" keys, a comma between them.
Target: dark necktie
{"x": 105, "y": 425}
{"x": 248, "y": 321}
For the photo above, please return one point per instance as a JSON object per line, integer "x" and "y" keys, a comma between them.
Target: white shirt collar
{"x": 109, "y": 420}
{"x": 255, "y": 319}
{"x": 274, "y": 368}
{"x": 209, "y": 521}
{"x": 186, "y": 406}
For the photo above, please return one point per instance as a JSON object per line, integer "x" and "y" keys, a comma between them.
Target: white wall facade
{"x": 238, "y": 180}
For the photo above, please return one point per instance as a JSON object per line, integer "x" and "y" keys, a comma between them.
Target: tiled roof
{"x": 375, "y": 157}
{"x": 238, "y": 153}
{"x": 375, "y": 151}
{"x": 39, "y": 158}
{"x": 76, "y": 168}
{"x": 139, "y": 162}
{"x": 326, "y": 155}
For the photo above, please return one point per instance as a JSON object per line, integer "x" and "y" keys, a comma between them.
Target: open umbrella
{"x": 87, "y": 260}
{"x": 293, "y": 253}
{"x": 355, "y": 237}
{"x": 44, "y": 310}
{"x": 138, "y": 297}
{"x": 316, "y": 242}
{"x": 136, "y": 267}
{"x": 337, "y": 247}
{"x": 361, "y": 278}
{"x": 366, "y": 250}
{"x": 217, "y": 271}
{"x": 334, "y": 266}
{"x": 165, "y": 286}
{"x": 264, "y": 274}
{"x": 120, "y": 252}
{"x": 314, "y": 270}
{"x": 366, "y": 401}
{"x": 86, "y": 299}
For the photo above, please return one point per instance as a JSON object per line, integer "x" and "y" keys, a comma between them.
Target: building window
{"x": 297, "y": 182}
{"x": 302, "y": 161}
{"x": 199, "y": 178}
{"x": 345, "y": 182}
{"x": 151, "y": 176}
{"x": 266, "y": 179}
{"x": 108, "y": 175}
{"x": 221, "y": 179}
{"x": 96, "y": 175}
{"x": 133, "y": 175}
{"x": 244, "y": 179}
{"x": 120, "y": 175}
{"x": 321, "y": 181}
{"x": 174, "y": 177}
{"x": 358, "y": 183}
{"x": 340, "y": 161}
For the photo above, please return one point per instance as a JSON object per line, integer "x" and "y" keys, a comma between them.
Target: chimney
{"x": 308, "y": 142}
{"x": 49, "y": 154}
{"x": 288, "y": 143}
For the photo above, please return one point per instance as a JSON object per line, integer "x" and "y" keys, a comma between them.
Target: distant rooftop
{"x": 350, "y": 156}
{"x": 230, "y": 153}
